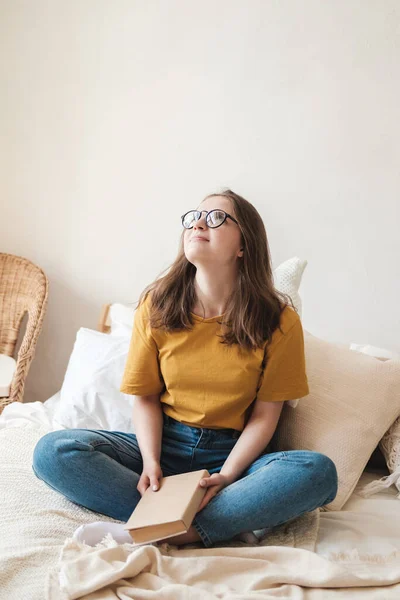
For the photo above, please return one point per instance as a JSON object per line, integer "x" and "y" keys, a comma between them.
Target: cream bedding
{"x": 370, "y": 525}
{"x": 39, "y": 559}
{"x": 356, "y": 555}
{"x": 210, "y": 574}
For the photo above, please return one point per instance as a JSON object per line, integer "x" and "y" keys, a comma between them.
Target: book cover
{"x": 170, "y": 510}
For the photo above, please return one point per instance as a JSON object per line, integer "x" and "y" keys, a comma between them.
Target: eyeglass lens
{"x": 214, "y": 218}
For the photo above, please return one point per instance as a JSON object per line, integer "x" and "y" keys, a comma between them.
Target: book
{"x": 170, "y": 510}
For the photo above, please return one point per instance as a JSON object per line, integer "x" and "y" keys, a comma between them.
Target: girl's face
{"x": 221, "y": 245}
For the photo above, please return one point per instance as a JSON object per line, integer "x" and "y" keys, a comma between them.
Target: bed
{"x": 362, "y": 539}
{"x": 351, "y": 553}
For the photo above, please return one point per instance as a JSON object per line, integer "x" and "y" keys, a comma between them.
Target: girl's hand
{"x": 214, "y": 483}
{"x": 151, "y": 476}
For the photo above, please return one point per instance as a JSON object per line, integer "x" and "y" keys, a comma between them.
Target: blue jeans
{"x": 100, "y": 470}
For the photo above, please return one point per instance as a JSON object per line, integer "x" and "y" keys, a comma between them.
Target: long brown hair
{"x": 253, "y": 310}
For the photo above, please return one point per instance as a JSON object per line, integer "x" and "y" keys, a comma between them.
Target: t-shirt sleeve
{"x": 142, "y": 375}
{"x": 284, "y": 376}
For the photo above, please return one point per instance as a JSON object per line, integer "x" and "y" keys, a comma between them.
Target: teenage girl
{"x": 215, "y": 352}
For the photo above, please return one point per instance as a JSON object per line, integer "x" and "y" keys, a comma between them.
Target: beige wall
{"x": 116, "y": 111}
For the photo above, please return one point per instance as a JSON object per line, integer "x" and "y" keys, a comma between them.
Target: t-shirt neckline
{"x": 209, "y": 320}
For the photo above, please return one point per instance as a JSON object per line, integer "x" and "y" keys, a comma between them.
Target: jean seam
{"x": 94, "y": 444}
{"x": 203, "y": 535}
{"x": 118, "y": 451}
{"x": 194, "y": 449}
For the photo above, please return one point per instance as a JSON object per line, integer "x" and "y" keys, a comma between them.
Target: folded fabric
{"x": 122, "y": 571}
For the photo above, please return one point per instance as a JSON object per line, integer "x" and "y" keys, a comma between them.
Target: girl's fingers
{"x": 214, "y": 479}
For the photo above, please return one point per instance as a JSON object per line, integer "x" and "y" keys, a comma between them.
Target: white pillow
{"x": 287, "y": 279}
{"x": 121, "y": 317}
{"x": 8, "y": 366}
{"x": 90, "y": 396}
{"x": 390, "y": 442}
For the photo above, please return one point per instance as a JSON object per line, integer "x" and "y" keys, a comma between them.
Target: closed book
{"x": 170, "y": 510}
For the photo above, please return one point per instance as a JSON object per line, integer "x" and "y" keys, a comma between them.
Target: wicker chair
{"x": 23, "y": 288}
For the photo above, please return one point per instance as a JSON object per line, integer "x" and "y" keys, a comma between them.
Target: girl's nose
{"x": 202, "y": 221}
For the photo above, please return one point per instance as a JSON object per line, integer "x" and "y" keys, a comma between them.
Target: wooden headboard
{"x": 104, "y": 324}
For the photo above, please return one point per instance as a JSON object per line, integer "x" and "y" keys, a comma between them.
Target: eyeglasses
{"x": 214, "y": 218}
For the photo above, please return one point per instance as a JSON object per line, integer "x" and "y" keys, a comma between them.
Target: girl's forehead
{"x": 216, "y": 202}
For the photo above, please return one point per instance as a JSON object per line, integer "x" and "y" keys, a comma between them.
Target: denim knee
{"x": 325, "y": 465}
{"x": 45, "y": 452}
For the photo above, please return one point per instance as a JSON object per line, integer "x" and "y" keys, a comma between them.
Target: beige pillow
{"x": 353, "y": 401}
{"x": 390, "y": 442}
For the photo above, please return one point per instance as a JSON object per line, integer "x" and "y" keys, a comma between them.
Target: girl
{"x": 214, "y": 353}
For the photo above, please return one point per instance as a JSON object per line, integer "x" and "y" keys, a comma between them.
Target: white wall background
{"x": 114, "y": 112}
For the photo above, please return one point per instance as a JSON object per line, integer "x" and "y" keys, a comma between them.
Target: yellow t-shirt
{"x": 204, "y": 383}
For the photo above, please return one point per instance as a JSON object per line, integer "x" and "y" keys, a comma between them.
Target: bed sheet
{"x": 368, "y": 526}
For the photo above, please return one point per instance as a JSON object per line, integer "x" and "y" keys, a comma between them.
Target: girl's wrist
{"x": 228, "y": 475}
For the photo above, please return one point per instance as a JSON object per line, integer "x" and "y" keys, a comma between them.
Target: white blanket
{"x": 269, "y": 572}
{"x": 36, "y": 520}
{"x": 39, "y": 558}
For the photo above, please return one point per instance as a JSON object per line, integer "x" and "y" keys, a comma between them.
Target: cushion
{"x": 353, "y": 401}
{"x": 389, "y": 445}
{"x": 287, "y": 279}
{"x": 8, "y": 366}
{"x": 121, "y": 317}
{"x": 90, "y": 396}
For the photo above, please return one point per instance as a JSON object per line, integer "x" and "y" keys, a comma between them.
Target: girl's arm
{"x": 148, "y": 420}
{"x": 254, "y": 438}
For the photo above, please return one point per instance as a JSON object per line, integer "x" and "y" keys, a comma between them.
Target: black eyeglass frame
{"x": 227, "y": 216}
